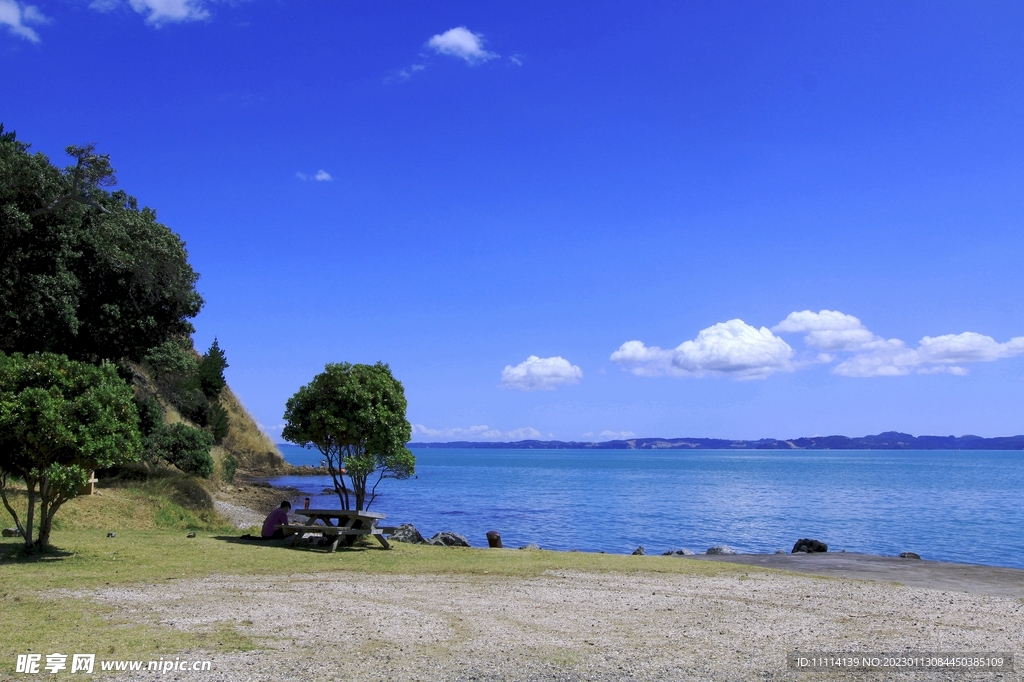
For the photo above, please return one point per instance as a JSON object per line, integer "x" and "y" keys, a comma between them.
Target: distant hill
{"x": 890, "y": 440}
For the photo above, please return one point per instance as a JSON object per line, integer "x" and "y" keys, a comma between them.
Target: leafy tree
{"x": 185, "y": 447}
{"x": 83, "y": 271}
{"x": 58, "y": 419}
{"x": 151, "y": 415}
{"x": 355, "y": 416}
{"x": 172, "y": 358}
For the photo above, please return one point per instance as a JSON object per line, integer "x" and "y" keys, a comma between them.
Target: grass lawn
{"x": 151, "y": 545}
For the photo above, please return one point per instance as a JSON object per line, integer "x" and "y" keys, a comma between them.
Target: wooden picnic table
{"x": 343, "y": 524}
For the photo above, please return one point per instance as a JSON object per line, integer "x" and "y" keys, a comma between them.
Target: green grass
{"x": 151, "y": 518}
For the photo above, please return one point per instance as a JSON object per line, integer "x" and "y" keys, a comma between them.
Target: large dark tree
{"x": 83, "y": 271}
{"x": 355, "y": 416}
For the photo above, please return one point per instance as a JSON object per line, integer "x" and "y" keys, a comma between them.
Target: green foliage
{"x": 173, "y": 357}
{"x": 211, "y": 372}
{"x": 183, "y": 446}
{"x": 59, "y": 419}
{"x": 355, "y": 416}
{"x": 229, "y": 465}
{"x": 83, "y": 271}
{"x": 151, "y": 415}
{"x": 217, "y": 422}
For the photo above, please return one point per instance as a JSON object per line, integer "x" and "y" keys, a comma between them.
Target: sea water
{"x": 964, "y": 506}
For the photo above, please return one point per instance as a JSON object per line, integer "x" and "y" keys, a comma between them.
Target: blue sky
{"x": 574, "y": 220}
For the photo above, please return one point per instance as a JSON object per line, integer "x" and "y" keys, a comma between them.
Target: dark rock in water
{"x": 639, "y": 551}
{"x": 909, "y": 555}
{"x": 721, "y": 549}
{"x": 809, "y": 546}
{"x": 781, "y": 551}
{"x": 449, "y": 539}
{"x": 11, "y": 533}
{"x": 328, "y": 491}
{"x": 407, "y": 533}
{"x": 668, "y": 553}
{"x": 532, "y": 545}
{"x": 685, "y": 552}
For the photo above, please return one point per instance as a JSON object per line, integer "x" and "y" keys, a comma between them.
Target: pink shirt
{"x": 278, "y": 516}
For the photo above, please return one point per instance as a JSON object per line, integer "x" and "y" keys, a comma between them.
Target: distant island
{"x": 890, "y": 440}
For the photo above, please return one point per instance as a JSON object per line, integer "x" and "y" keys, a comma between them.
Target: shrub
{"x": 229, "y": 466}
{"x": 217, "y": 421}
{"x": 150, "y": 413}
{"x": 183, "y": 446}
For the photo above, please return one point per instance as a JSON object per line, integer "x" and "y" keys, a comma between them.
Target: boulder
{"x": 721, "y": 549}
{"x": 909, "y": 555}
{"x": 530, "y": 546}
{"x": 11, "y": 533}
{"x": 191, "y": 535}
{"x": 639, "y": 551}
{"x": 685, "y": 552}
{"x": 809, "y": 546}
{"x": 449, "y": 539}
{"x": 407, "y": 533}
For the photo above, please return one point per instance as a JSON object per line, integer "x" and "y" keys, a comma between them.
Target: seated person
{"x": 276, "y": 518}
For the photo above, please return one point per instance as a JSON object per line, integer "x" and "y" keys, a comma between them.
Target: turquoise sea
{"x": 965, "y": 506}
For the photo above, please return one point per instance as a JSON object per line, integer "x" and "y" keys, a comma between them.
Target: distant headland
{"x": 890, "y": 440}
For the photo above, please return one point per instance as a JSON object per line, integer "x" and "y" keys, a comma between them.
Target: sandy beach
{"x": 581, "y": 625}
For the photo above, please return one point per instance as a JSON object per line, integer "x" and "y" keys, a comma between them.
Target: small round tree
{"x": 355, "y": 416}
{"x": 59, "y": 419}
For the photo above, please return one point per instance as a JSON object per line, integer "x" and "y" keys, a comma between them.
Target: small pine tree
{"x": 211, "y": 371}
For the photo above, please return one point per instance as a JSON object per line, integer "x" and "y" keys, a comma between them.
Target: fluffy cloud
{"x": 737, "y": 349}
{"x": 462, "y": 43}
{"x": 732, "y": 348}
{"x": 481, "y": 432}
{"x": 828, "y": 330}
{"x": 159, "y": 12}
{"x": 831, "y": 330}
{"x": 536, "y": 373}
{"x": 17, "y": 19}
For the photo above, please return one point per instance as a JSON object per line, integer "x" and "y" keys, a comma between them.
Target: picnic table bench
{"x": 344, "y": 525}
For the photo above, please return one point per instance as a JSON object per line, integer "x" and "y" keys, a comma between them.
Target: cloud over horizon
{"x": 481, "y": 432}
{"x": 463, "y": 44}
{"x": 737, "y": 349}
{"x": 536, "y": 373}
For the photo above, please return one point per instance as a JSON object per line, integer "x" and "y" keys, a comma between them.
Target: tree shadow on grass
{"x": 287, "y": 544}
{"x": 14, "y": 553}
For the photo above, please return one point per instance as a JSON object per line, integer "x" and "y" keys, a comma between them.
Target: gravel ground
{"x": 567, "y": 626}
{"x": 242, "y": 517}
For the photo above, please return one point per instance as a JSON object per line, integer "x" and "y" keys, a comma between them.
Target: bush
{"x": 217, "y": 421}
{"x": 150, "y": 413}
{"x": 211, "y": 372}
{"x": 230, "y": 466}
{"x": 183, "y": 446}
{"x": 172, "y": 357}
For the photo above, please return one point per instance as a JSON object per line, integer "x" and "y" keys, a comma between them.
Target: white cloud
{"x": 481, "y": 432}
{"x": 159, "y": 12}
{"x": 462, "y": 43}
{"x": 828, "y": 330}
{"x": 617, "y": 435}
{"x": 320, "y": 176}
{"x": 873, "y": 356}
{"x": 732, "y": 348}
{"x": 536, "y": 373}
{"x": 17, "y": 17}
{"x": 516, "y": 59}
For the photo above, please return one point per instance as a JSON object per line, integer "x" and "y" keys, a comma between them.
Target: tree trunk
{"x": 30, "y": 515}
